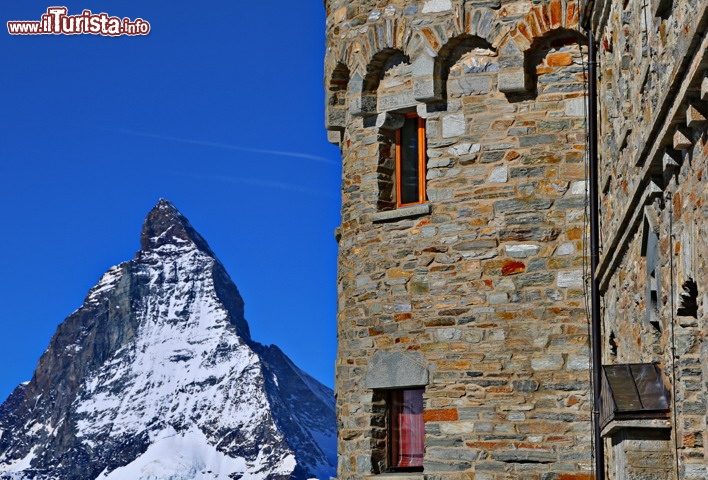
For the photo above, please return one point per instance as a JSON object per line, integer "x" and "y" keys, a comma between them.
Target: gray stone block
{"x": 364, "y": 105}
{"x": 434, "y": 6}
{"x": 336, "y": 118}
{"x": 396, "y": 102}
{"x": 427, "y": 89}
{"x": 573, "y": 278}
{"x": 525, "y": 456}
{"x": 406, "y": 212}
{"x": 334, "y": 136}
{"x": 512, "y": 80}
{"x": 396, "y": 370}
{"x": 390, "y": 121}
{"x": 464, "y": 149}
{"x": 522, "y": 251}
{"x": 575, "y": 107}
{"x": 453, "y": 125}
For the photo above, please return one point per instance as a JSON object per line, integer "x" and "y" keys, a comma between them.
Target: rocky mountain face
{"x": 156, "y": 377}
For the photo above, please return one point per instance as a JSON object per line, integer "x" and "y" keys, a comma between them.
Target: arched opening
{"x": 554, "y": 63}
{"x": 465, "y": 65}
{"x": 337, "y": 98}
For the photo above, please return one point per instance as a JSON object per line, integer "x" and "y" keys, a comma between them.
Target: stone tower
{"x": 462, "y": 322}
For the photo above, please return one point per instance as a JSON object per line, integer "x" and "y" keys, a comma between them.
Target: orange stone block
{"x": 511, "y": 155}
{"x": 559, "y": 59}
{"x": 487, "y": 445}
{"x": 399, "y": 273}
{"x": 440, "y": 415}
{"x": 575, "y": 234}
{"x": 499, "y": 390}
{"x": 432, "y": 39}
{"x": 525, "y": 31}
{"x": 530, "y": 446}
{"x": 513, "y": 267}
{"x": 556, "y": 14}
{"x": 373, "y": 331}
{"x": 453, "y": 365}
{"x": 571, "y": 17}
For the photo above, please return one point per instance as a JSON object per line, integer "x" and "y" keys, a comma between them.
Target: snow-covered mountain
{"x": 156, "y": 377}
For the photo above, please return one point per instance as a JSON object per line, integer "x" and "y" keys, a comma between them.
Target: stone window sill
{"x": 399, "y": 213}
{"x": 617, "y": 425}
{"x": 397, "y": 476}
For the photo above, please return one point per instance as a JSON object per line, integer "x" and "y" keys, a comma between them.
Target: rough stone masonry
{"x": 653, "y": 99}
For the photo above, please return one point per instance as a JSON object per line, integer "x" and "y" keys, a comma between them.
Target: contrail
{"x": 260, "y": 183}
{"x": 226, "y": 146}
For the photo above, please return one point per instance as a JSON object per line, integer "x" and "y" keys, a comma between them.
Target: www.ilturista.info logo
{"x": 57, "y": 22}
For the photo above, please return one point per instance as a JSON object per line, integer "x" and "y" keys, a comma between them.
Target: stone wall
{"x": 483, "y": 285}
{"x": 652, "y": 61}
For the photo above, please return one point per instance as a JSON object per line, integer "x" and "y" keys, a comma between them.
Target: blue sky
{"x": 218, "y": 109}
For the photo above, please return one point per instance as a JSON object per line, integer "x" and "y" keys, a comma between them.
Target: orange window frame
{"x": 422, "y": 167}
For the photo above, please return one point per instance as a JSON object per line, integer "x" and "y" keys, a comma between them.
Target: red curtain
{"x": 410, "y": 433}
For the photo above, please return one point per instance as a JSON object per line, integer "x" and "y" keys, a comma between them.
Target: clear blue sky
{"x": 218, "y": 109}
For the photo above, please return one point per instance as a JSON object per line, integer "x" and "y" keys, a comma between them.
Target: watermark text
{"x": 57, "y": 21}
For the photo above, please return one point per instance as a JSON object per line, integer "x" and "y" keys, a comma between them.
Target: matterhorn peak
{"x": 165, "y": 225}
{"x": 156, "y": 376}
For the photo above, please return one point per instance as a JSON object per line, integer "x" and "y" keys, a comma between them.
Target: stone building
{"x": 653, "y": 264}
{"x": 463, "y": 325}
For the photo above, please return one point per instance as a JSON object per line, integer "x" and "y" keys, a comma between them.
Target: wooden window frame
{"x": 422, "y": 163}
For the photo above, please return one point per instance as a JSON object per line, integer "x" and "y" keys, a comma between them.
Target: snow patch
{"x": 20, "y": 464}
{"x": 176, "y": 456}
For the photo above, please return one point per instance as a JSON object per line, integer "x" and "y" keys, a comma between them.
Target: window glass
{"x": 407, "y": 429}
{"x": 409, "y": 168}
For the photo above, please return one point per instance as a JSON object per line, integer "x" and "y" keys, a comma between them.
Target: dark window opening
{"x": 688, "y": 299}
{"x": 613, "y": 344}
{"x": 406, "y": 430}
{"x": 663, "y": 8}
{"x": 650, "y": 250}
{"x": 653, "y": 306}
{"x": 410, "y": 161}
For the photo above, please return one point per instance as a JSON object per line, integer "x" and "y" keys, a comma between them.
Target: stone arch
{"x": 484, "y": 23}
{"x": 336, "y": 98}
{"x": 454, "y": 51}
{"x": 364, "y": 88}
{"x": 355, "y": 55}
{"x": 544, "y": 19}
{"x": 430, "y": 46}
{"x": 388, "y": 33}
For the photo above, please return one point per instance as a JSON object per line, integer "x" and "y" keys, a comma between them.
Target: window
{"x": 410, "y": 161}
{"x": 653, "y": 281}
{"x": 632, "y": 391}
{"x": 650, "y": 251}
{"x": 406, "y": 430}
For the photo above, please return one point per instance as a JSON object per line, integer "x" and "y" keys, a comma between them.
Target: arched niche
{"x": 385, "y": 85}
{"x": 555, "y": 62}
{"x": 465, "y": 65}
{"x": 336, "y": 102}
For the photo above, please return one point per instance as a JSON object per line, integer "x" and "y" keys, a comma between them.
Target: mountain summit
{"x": 156, "y": 376}
{"x": 165, "y": 225}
